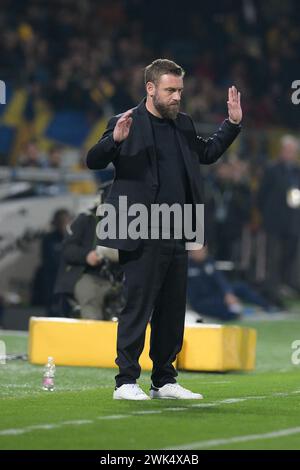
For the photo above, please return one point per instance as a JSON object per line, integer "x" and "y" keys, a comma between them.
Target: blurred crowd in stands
{"x": 89, "y": 55}
{"x": 32, "y": 156}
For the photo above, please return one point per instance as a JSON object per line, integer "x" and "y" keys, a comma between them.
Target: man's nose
{"x": 176, "y": 96}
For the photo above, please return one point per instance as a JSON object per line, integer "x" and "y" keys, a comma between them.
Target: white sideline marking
{"x": 79, "y": 421}
{"x": 233, "y": 400}
{"x": 113, "y": 417}
{"x": 227, "y": 401}
{"x": 38, "y": 427}
{"x": 178, "y": 408}
{"x": 232, "y": 440}
{"x": 204, "y": 405}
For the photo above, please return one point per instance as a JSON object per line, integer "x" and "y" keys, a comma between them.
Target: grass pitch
{"x": 258, "y": 410}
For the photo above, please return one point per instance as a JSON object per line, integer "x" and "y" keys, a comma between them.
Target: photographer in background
{"x": 51, "y": 249}
{"x": 81, "y": 276}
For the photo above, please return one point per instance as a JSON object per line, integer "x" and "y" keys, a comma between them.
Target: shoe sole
{"x": 163, "y": 398}
{"x": 131, "y": 399}
{"x": 173, "y": 398}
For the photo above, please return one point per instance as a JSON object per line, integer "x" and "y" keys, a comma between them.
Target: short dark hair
{"x": 159, "y": 67}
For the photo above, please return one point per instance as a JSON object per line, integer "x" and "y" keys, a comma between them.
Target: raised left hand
{"x": 235, "y": 113}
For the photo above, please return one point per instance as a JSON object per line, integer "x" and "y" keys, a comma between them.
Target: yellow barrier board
{"x": 218, "y": 348}
{"x": 93, "y": 344}
{"x": 77, "y": 342}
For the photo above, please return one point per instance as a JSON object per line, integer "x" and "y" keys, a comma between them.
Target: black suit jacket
{"x": 135, "y": 160}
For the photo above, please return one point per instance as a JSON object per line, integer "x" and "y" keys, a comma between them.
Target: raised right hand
{"x": 122, "y": 127}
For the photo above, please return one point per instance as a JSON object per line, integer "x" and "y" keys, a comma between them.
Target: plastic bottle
{"x": 48, "y": 377}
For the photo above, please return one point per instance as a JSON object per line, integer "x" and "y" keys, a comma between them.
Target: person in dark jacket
{"x": 230, "y": 205}
{"x": 80, "y": 276}
{"x": 156, "y": 154}
{"x": 211, "y": 294}
{"x": 279, "y": 203}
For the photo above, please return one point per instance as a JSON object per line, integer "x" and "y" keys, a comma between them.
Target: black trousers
{"x": 155, "y": 289}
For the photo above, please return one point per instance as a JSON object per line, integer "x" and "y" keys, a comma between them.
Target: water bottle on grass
{"x": 48, "y": 377}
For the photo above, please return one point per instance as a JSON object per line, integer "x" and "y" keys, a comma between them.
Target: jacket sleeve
{"x": 106, "y": 150}
{"x": 74, "y": 252}
{"x": 211, "y": 149}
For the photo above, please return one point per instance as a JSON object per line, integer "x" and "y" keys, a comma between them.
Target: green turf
{"x": 271, "y": 403}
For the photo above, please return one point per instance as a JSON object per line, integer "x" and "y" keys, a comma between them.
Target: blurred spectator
{"x": 279, "y": 203}
{"x": 32, "y": 156}
{"x": 229, "y": 202}
{"x": 211, "y": 294}
{"x": 54, "y": 157}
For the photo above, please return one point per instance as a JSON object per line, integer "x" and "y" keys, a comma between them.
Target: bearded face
{"x": 167, "y": 95}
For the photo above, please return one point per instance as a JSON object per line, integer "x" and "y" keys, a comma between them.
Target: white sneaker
{"x": 174, "y": 391}
{"x": 130, "y": 392}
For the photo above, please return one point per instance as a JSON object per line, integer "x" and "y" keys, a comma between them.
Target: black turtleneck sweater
{"x": 172, "y": 176}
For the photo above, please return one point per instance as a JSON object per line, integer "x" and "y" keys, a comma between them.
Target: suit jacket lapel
{"x": 185, "y": 150}
{"x": 147, "y": 133}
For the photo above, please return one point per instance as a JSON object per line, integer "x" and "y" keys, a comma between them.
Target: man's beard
{"x": 166, "y": 111}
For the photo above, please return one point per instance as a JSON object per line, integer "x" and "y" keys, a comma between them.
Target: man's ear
{"x": 150, "y": 87}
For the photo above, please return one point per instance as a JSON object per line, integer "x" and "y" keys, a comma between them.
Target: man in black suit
{"x": 156, "y": 153}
